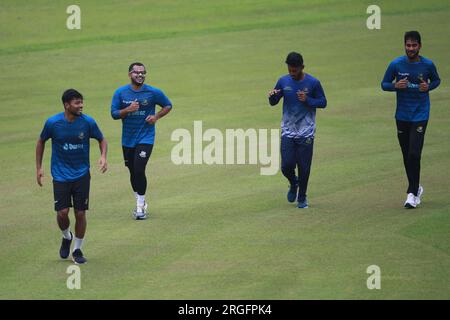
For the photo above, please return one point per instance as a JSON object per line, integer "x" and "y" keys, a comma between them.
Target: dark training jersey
{"x": 135, "y": 130}
{"x": 70, "y": 145}
{"x": 412, "y": 105}
{"x": 299, "y": 118}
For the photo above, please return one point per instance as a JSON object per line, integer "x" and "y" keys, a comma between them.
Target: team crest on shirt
{"x": 143, "y": 154}
{"x": 81, "y": 135}
{"x": 145, "y": 102}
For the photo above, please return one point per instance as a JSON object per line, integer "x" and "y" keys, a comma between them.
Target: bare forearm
{"x": 40, "y": 147}
{"x": 120, "y": 113}
{"x": 103, "y": 147}
{"x": 123, "y": 113}
{"x": 163, "y": 112}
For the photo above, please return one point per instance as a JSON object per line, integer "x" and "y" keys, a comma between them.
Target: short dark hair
{"x": 71, "y": 94}
{"x": 135, "y": 64}
{"x": 294, "y": 59}
{"x": 413, "y": 35}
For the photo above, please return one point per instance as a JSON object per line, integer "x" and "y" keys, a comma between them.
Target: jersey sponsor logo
{"x": 143, "y": 154}
{"x": 69, "y": 146}
{"x": 138, "y": 113}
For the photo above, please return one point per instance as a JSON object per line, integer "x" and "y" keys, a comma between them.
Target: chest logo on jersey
{"x": 81, "y": 135}
{"x": 143, "y": 102}
{"x": 288, "y": 88}
{"x": 403, "y": 74}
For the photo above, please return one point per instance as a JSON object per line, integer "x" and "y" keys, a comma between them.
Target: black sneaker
{"x": 77, "y": 257}
{"x": 64, "y": 251}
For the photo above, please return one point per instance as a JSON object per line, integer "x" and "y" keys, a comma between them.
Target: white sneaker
{"x": 419, "y": 195}
{"x": 410, "y": 201}
{"x": 140, "y": 213}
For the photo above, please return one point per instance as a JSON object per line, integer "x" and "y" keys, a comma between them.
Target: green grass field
{"x": 226, "y": 232}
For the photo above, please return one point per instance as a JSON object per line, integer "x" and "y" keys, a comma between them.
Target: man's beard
{"x": 415, "y": 54}
{"x": 75, "y": 114}
{"x": 138, "y": 83}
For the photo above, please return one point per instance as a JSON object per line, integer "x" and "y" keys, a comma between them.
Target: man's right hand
{"x": 39, "y": 176}
{"x": 402, "y": 84}
{"x": 134, "y": 106}
{"x": 273, "y": 92}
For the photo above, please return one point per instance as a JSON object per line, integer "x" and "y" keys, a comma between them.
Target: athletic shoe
{"x": 410, "y": 202}
{"x": 140, "y": 213}
{"x": 419, "y": 195}
{"x": 64, "y": 251}
{"x": 77, "y": 257}
{"x": 302, "y": 204}
{"x": 292, "y": 193}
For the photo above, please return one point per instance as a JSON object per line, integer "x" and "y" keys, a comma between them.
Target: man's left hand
{"x": 102, "y": 164}
{"x": 301, "y": 96}
{"x": 423, "y": 86}
{"x": 151, "y": 119}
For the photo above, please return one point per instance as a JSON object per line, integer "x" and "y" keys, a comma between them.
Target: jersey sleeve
{"x": 115, "y": 105}
{"x": 435, "y": 81}
{"x": 317, "y": 99}
{"x": 389, "y": 76}
{"x": 162, "y": 100}
{"x": 46, "y": 131}
{"x": 95, "y": 130}
{"x": 273, "y": 100}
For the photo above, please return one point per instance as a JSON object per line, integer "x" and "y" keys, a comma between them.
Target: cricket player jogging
{"x": 414, "y": 77}
{"x": 70, "y": 132}
{"x": 302, "y": 94}
{"x": 135, "y": 104}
